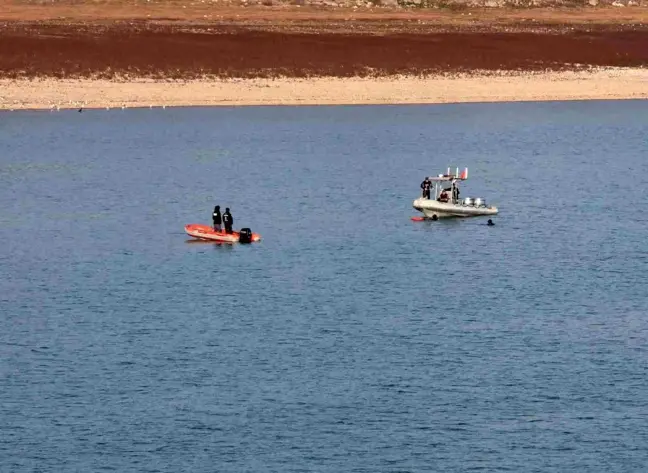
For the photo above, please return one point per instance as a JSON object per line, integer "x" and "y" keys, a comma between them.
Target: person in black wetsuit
{"x": 425, "y": 185}
{"x": 228, "y": 220}
{"x": 216, "y": 217}
{"x": 490, "y": 223}
{"x": 455, "y": 193}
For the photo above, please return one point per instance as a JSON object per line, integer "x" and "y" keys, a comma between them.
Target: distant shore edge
{"x": 56, "y": 94}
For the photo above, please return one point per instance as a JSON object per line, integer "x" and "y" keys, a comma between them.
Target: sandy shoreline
{"x": 597, "y": 85}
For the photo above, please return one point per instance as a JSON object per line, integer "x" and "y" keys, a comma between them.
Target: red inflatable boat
{"x": 205, "y": 232}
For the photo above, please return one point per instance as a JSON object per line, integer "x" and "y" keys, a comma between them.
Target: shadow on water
{"x": 428, "y": 222}
{"x": 216, "y": 244}
{"x": 451, "y": 224}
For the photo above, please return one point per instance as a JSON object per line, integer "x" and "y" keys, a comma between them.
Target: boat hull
{"x": 431, "y": 208}
{"x": 205, "y": 232}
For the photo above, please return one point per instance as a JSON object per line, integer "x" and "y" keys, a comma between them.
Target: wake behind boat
{"x": 205, "y": 232}
{"x": 445, "y": 201}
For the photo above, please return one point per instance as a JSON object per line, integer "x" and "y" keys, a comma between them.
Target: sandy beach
{"x": 124, "y": 54}
{"x": 58, "y": 94}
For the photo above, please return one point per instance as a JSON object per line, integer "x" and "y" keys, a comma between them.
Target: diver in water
{"x": 228, "y": 220}
{"x": 490, "y": 223}
{"x": 216, "y": 217}
{"x": 425, "y": 185}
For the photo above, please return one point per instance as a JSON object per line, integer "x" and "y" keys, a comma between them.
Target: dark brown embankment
{"x": 169, "y": 50}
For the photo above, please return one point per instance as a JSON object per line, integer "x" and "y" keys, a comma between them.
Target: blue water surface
{"x": 350, "y": 339}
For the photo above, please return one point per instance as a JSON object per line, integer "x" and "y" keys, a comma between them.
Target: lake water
{"x": 350, "y": 339}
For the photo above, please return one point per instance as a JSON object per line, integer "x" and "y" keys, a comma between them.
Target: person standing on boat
{"x": 216, "y": 217}
{"x": 455, "y": 192}
{"x": 425, "y": 185}
{"x": 228, "y": 220}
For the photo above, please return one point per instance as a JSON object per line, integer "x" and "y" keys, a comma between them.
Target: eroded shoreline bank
{"x": 73, "y": 55}
{"x": 52, "y": 94}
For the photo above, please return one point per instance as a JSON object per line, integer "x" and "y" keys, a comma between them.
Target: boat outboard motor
{"x": 245, "y": 235}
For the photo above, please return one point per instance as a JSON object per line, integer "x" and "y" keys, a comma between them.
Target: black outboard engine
{"x": 245, "y": 235}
